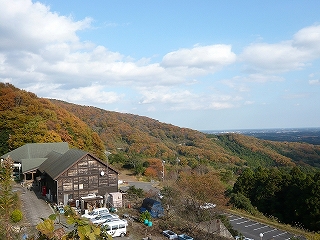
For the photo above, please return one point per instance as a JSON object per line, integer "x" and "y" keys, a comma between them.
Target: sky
{"x": 200, "y": 64}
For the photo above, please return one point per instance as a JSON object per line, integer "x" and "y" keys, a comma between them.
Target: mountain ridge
{"x": 133, "y": 139}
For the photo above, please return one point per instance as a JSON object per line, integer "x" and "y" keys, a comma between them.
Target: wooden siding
{"x": 85, "y": 178}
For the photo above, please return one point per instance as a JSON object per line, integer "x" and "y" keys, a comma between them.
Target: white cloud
{"x": 92, "y": 94}
{"x": 206, "y": 58}
{"x": 245, "y": 83}
{"x": 314, "y": 82}
{"x": 27, "y": 25}
{"x": 308, "y": 39}
{"x": 186, "y": 99}
{"x": 295, "y": 95}
{"x": 284, "y": 56}
{"x": 273, "y": 58}
{"x": 262, "y": 78}
{"x": 37, "y": 46}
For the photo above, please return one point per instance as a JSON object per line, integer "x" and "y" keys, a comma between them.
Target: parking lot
{"x": 258, "y": 231}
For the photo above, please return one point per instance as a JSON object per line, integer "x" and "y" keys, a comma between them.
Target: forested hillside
{"x": 257, "y": 152}
{"x": 292, "y": 197}
{"x": 133, "y": 139}
{"x": 146, "y": 137}
{"x": 25, "y": 118}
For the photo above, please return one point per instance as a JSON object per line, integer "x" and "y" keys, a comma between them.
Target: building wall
{"x": 85, "y": 178}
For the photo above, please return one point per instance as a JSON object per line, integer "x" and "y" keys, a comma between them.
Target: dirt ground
{"x": 126, "y": 175}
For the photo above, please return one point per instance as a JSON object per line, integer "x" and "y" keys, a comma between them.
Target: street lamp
{"x": 163, "y": 162}
{"x": 261, "y": 236}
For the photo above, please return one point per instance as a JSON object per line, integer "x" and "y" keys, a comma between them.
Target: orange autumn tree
{"x": 203, "y": 187}
{"x": 154, "y": 169}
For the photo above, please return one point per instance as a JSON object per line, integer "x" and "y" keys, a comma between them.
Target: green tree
{"x": 8, "y": 199}
{"x": 238, "y": 200}
{"x": 245, "y": 183}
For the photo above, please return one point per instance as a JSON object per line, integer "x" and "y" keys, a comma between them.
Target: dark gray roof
{"x": 36, "y": 151}
{"x": 57, "y": 163}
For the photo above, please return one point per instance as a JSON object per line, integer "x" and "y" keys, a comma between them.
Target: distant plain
{"x": 306, "y": 135}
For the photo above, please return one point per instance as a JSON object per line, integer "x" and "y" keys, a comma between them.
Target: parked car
{"x": 103, "y": 218}
{"x": 184, "y": 237}
{"x": 117, "y": 228}
{"x": 115, "y": 220}
{"x": 170, "y": 234}
{"x": 96, "y": 212}
{"x": 242, "y": 238}
{"x": 208, "y": 206}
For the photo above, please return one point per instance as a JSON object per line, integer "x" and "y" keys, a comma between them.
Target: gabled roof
{"x": 57, "y": 163}
{"x": 36, "y": 151}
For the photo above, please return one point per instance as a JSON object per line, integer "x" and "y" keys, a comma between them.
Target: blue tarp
{"x": 154, "y": 207}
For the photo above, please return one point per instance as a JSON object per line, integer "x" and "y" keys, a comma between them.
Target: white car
{"x": 242, "y": 238}
{"x": 115, "y": 220}
{"x": 116, "y": 228}
{"x": 103, "y": 218}
{"x": 208, "y": 205}
{"x": 96, "y": 212}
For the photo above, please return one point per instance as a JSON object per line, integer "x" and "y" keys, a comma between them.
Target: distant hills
{"x": 27, "y": 118}
{"x": 306, "y": 135}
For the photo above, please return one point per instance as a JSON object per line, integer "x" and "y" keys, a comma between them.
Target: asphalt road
{"x": 252, "y": 229}
{"x": 145, "y": 186}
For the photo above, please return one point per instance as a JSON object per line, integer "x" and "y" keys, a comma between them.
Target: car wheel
{"x": 122, "y": 235}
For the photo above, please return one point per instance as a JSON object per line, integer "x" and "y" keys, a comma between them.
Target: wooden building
{"x": 75, "y": 174}
{"x": 65, "y": 175}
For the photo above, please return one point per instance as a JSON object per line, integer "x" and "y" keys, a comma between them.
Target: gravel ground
{"x": 33, "y": 207}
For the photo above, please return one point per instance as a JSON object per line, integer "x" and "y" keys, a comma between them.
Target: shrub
{"x": 145, "y": 215}
{"x": 16, "y": 216}
{"x": 238, "y": 200}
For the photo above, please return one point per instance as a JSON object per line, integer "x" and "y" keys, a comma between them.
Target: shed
{"x": 115, "y": 199}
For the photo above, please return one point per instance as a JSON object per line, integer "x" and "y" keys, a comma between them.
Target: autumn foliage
{"x": 26, "y": 118}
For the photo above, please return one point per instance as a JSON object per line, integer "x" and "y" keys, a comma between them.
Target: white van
{"x": 115, "y": 228}
{"x": 96, "y": 212}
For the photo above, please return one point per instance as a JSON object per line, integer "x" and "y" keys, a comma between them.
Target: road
{"x": 145, "y": 186}
{"x": 252, "y": 229}
{"x": 33, "y": 206}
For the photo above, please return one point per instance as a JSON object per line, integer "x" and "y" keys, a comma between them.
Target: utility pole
{"x": 163, "y": 162}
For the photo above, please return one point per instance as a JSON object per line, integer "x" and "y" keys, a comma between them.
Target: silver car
{"x": 103, "y": 218}
{"x": 170, "y": 234}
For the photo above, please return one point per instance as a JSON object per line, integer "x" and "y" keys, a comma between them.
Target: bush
{"x": 133, "y": 191}
{"x": 238, "y": 200}
{"x": 16, "y": 216}
{"x": 145, "y": 215}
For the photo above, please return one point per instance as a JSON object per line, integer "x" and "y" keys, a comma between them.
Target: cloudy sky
{"x": 201, "y": 64}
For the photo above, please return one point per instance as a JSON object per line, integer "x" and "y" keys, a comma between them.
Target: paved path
{"x": 33, "y": 207}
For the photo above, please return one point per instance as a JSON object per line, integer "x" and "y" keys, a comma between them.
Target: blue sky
{"x": 205, "y": 65}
